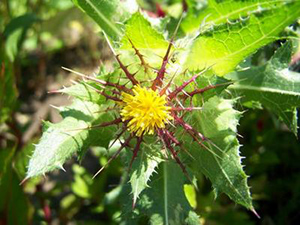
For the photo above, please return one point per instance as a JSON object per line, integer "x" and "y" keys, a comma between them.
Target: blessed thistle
{"x": 155, "y": 109}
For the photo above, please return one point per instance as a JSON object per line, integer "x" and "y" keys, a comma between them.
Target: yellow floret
{"x": 145, "y": 110}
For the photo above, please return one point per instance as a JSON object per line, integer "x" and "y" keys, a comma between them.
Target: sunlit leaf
{"x": 72, "y": 135}
{"x": 108, "y": 13}
{"x": 144, "y": 167}
{"x": 220, "y": 160}
{"x": 236, "y": 29}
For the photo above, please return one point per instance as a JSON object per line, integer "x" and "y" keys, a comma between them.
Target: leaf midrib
{"x": 260, "y": 39}
{"x": 216, "y": 21}
{"x": 263, "y": 89}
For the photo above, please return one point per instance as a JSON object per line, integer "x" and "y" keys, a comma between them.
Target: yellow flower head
{"x": 145, "y": 110}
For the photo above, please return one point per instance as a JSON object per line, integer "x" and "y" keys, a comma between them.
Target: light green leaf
{"x": 82, "y": 182}
{"x": 165, "y": 202}
{"x": 234, "y": 30}
{"x": 143, "y": 167}
{"x": 273, "y": 85}
{"x": 84, "y": 91}
{"x": 108, "y": 13}
{"x": 60, "y": 141}
{"x": 218, "y": 12}
{"x": 143, "y": 35}
{"x": 151, "y": 44}
{"x": 220, "y": 160}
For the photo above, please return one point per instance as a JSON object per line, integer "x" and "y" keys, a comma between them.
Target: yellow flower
{"x": 146, "y": 110}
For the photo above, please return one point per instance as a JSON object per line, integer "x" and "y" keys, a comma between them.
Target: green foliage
{"x": 208, "y": 144}
{"x": 143, "y": 168}
{"x": 145, "y": 38}
{"x": 5, "y": 159}
{"x": 108, "y": 13}
{"x": 165, "y": 202}
{"x": 220, "y": 160}
{"x": 73, "y": 135}
{"x": 232, "y": 31}
{"x": 15, "y": 33}
{"x": 8, "y": 92}
{"x": 272, "y": 85}
{"x": 11, "y": 192}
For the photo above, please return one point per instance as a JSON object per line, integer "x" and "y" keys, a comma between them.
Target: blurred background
{"x": 37, "y": 38}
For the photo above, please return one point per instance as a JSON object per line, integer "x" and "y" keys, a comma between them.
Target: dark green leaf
{"x": 14, "y": 205}
{"x": 273, "y": 85}
{"x": 8, "y": 91}
{"x": 165, "y": 202}
{"x": 15, "y": 32}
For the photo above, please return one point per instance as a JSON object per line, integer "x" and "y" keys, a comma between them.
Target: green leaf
{"x": 14, "y": 205}
{"x": 144, "y": 37}
{"x": 60, "y": 141}
{"x": 220, "y": 160}
{"x": 84, "y": 91}
{"x": 15, "y": 32}
{"x": 22, "y": 158}
{"x": 273, "y": 85}
{"x": 143, "y": 167}
{"x": 82, "y": 182}
{"x": 107, "y": 13}
{"x": 234, "y": 30}
{"x": 5, "y": 160}
{"x": 148, "y": 41}
{"x": 8, "y": 90}
{"x": 165, "y": 202}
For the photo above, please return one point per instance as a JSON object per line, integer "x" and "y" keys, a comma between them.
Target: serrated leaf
{"x": 145, "y": 38}
{"x": 108, "y": 13}
{"x": 84, "y": 91}
{"x": 218, "y": 12}
{"x": 22, "y": 158}
{"x": 220, "y": 161}
{"x": 273, "y": 85}
{"x": 233, "y": 32}
{"x": 60, "y": 141}
{"x": 165, "y": 202}
{"x": 143, "y": 167}
{"x": 143, "y": 35}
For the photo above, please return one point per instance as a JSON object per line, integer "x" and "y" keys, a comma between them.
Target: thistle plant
{"x": 169, "y": 104}
{"x": 155, "y": 109}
